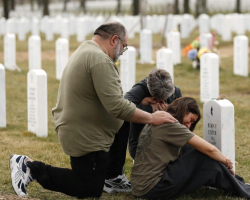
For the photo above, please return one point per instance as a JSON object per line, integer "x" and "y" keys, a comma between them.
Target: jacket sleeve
{"x": 137, "y": 94}
{"x": 107, "y": 85}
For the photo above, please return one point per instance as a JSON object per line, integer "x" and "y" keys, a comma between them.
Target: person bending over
{"x": 159, "y": 172}
{"x": 150, "y": 94}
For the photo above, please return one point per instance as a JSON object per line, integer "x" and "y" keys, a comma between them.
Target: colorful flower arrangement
{"x": 194, "y": 52}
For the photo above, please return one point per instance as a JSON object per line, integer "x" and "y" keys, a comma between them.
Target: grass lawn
{"x": 15, "y": 139}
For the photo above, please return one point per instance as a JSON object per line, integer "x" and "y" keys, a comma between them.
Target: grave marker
{"x": 204, "y": 23}
{"x": 10, "y": 51}
{"x": 21, "y": 30}
{"x": 37, "y": 102}
{"x": 62, "y": 56}
{"x": 35, "y": 27}
{"x": 209, "y": 76}
{"x": 80, "y": 33}
{"x": 2, "y": 97}
{"x": 49, "y": 32}
{"x": 174, "y": 43}
{"x": 218, "y": 126}
{"x": 65, "y": 29}
{"x": 128, "y": 67}
{"x": 206, "y": 40}
{"x": 35, "y": 61}
{"x": 164, "y": 60}
{"x": 226, "y": 29}
{"x": 146, "y": 46}
{"x": 241, "y": 55}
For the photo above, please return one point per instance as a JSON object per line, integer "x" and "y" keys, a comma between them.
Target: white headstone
{"x": 164, "y": 60}
{"x": 37, "y": 102}
{"x": 206, "y": 40}
{"x": 35, "y": 30}
{"x": 226, "y": 29}
{"x": 218, "y": 126}
{"x": 10, "y": 26}
{"x": 2, "y": 26}
{"x": 146, "y": 46}
{"x": 62, "y": 56}
{"x": 80, "y": 32}
{"x": 204, "y": 23}
{"x": 72, "y": 25}
{"x": 209, "y": 76}
{"x": 186, "y": 25}
{"x": 240, "y": 30}
{"x": 2, "y": 97}
{"x": 241, "y": 55}
{"x": 35, "y": 61}
{"x": 49, "y": 32}
{"x": 128, "y": 68}
{"x": 10, "y": 51}
{"x": 65, "y": 29}
{"x": 174, "y": 43}
{"x": 21, "y": 30}
{"x": 170, "y": 24}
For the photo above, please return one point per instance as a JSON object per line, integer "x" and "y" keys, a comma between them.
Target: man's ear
{"x": 113, "y": 40}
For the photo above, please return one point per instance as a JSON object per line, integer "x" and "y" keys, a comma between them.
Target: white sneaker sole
{"x": 115, "y": 190}
{"x": 12, "y": 178}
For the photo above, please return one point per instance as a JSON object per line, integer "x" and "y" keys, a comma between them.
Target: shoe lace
{"x": 29, "y": 180}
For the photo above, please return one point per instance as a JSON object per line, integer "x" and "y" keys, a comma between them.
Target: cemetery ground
{"x": 15, "y": 139}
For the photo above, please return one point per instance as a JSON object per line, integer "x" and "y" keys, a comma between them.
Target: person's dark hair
{"x": 109, "y": 29}
{"x": 181, "y": 107}
{"x": 160, "y": 84}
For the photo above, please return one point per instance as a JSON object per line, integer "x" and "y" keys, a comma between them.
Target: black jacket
{"x": 138, "y": 92}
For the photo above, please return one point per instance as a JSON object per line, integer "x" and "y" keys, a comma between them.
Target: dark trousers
{"x": 85, "y": 179}
{"x": 193, "y": 170}
{"x": 117, "y": 152}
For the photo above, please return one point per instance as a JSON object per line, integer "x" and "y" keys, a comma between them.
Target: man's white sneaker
{"x": 20, "y": 174}
{"x": 119, "y": 184}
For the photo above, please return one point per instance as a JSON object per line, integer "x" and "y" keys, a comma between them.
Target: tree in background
{"x": 6, "y": 8}
{"x": 238, "y": 6}
{"x": 83, "y": 5}
{"x": 12, "y": 4}
{"x": 45, "y": 7}
{"x": 118, "y": 7}
{"x": 176, "y": 7}
{"x": 186, "y": 6}
{"x": 201, "y": 7}
{"x": 136, "y": 7}
{"x": 32, "y": 5}
{"x": 65, "y": 5}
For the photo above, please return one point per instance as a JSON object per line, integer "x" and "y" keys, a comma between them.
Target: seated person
{"x": 150, "y": 94}
{"x": 159, "y": 172}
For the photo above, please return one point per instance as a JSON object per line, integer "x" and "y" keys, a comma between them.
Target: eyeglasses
{"x": 123, "y": 48}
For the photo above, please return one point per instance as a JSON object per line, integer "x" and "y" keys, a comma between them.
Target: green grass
{"x": 16, "y": 139}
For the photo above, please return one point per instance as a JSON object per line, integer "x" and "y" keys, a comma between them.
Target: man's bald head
{"x": 109, "y": 29}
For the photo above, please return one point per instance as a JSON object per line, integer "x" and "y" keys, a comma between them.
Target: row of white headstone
{"x": 34, "y": 48}
{"x": 218, "y": 123}
{"x": 225, "y": 24}
{"x": 37, "y": 101}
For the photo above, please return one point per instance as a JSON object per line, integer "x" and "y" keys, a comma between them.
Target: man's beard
{"x": 117, "y": 51}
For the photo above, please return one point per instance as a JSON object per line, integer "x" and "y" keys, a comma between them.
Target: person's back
{"x": 83, "y": 123}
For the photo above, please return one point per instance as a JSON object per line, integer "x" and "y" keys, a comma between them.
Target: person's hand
{"x": 148, "y": 100}
{"x": 154, "y": 106}
{"x": 162, "y": 106}
{"x": 159, "y": 106}
{"x": 228, "y": 163}
{"x": 232, "y": 172}
{"x": 160, "y": 117}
